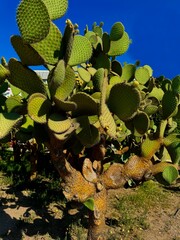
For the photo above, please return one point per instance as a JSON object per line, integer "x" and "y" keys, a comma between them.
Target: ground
{"x": 38, "y": 211}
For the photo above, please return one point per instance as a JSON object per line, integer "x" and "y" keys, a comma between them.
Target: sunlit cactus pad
{"x": 33, "y": 20}
{"x": 56, "y": 8}
{"x": 8, "y": 121}
{"x": 124, "y": 100}
{"x": 39, "y": 107}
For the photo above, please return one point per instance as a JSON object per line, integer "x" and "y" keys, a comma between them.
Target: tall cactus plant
{"x": 93, "y": 109}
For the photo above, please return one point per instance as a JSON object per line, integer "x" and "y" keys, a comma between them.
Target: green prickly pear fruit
{"x": 33, "y": 20}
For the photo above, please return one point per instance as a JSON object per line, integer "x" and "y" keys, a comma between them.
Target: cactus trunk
{"x": 97, "y": 226}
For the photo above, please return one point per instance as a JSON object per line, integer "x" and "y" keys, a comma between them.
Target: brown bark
{"x": 97, "y": 227}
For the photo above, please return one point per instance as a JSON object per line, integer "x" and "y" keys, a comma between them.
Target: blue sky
{"x": 153, "y": 26}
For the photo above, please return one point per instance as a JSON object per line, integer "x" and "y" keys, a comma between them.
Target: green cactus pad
{"x": 38, "y": 107}
{"x": 170, "y": 174}
{"x": 116, "y": 67}
{"x": 49, "y": 47}
{"x": 4, "y": 73}
{"x": 8, "y": 121}
{"x": 151, "y": 109}
{"x": 174, "y": 151}
{"x": 150, "y": 147}
{"x": 156, "y": 93}
{"x": 107, "y": 122}
{"x": 98, "y": 30}
{"x": 142, "y": 75}
{"x": 176, "y": 85}
{"x": 86, "y": 105}
{"x": 117, "y": 31}
{"x": 84, "y": 74}
{"x": 124, "y": 101}
{"x": 169, "y": 104}
{"x": 25, "y": 78}
{"x": 101, "y": 61}
{"x": 28, "y": 125}
{"x": 67, "y": 86}
{"x": 33, "y": 20}
{"x": 56, "y": 77}
{"x": 65, "y": 105}
{"x": 27, "y": 54}
{"x": 141, "y": 123}
{"x": 128, "y": 72}
{"x": 106, "y": 42}
{"x": 120, "y": 46}
{"x": 171, "y": 138}
{"x": 114, "y": 80}
{"x": 58, "y": 123}
{"x": 81, "y": 50}
{"x": 87, "y": 134}
{"x": 166, "y": 85}
{"x": 14, "y": 104}
{"x": 67, "y": 134}
{"x": 56, "y": 8}
{"x": 98, "y": 79}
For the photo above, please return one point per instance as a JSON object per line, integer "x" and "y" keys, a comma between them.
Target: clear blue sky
{"x": 153, "y": 26}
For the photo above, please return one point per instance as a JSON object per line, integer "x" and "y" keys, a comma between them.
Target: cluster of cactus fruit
{"x": 105, "y": 124}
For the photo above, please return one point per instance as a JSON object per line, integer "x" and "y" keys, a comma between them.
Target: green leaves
{"x": 89, "y": 203}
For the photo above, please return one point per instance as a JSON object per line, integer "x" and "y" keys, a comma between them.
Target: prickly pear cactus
{"x": 105, "y": 123}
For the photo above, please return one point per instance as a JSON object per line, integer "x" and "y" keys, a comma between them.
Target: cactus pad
{"x": 124, "y": 101}
{"x": 56, "y": 8}
{"x": 141, "y": 122}
{"x": 142, "y": 75}
{"x": 128, "y": 71}
{"x": 38, "y": 107}
{"x": 86, "y": 105}
{"x": 25, "y": 78}
{"x": 14, "y": 104}
{"x": 33, "y": 20}
{"x": 49, "y": 47}
{"x": 81, "y": 50}
{"x": 8, "y": 121}
{"x": 26, "y": 53}
{"x": 176, "y": 85}
{"x": 84, "y": 74}
{"x": 150, "y": 147}
{"x": 117, "y": 31}
{"x": 87, "y": 134}
{"x": 98, "y": 79}
{"x": 58, "y": 123}
{"x": 120, "y": 46}
{"x": 4, "y": 73}
{"x": 169, "y": 104}
{"x": 67, "y": 86}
